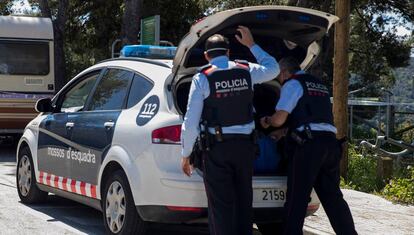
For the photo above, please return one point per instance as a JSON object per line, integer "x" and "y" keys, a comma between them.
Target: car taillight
{"x": 167, "y": 135}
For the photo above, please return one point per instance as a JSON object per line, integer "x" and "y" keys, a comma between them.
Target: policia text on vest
{"x": 221, "y": 98}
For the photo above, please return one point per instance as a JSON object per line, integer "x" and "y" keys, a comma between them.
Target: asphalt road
{"x": 58, "y": 215}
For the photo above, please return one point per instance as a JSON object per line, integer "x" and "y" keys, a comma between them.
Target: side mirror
{"x": 44, "y": 105}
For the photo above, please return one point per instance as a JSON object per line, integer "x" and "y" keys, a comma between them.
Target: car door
{"x": 93, "y": 129}
{"x": 55, "y": 130}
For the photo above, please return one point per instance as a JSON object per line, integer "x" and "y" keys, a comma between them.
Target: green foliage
{"x": 177, "y": 16}
{"x": 375, "y": 49}
{"x": 401, "y": 189}
{"x": 5, "y": 7}
{"x": 361, "y": 172}
{"x": 362, "y": 176}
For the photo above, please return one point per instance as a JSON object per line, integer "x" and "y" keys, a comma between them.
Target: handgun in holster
{"x": 302, "y": 137}
{"x": 296, "y": 136}
{"x": 201, "y": 146}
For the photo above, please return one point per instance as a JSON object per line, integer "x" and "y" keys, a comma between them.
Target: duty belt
{"x": 226, "y": 137}
{"x": 301, "y": 137}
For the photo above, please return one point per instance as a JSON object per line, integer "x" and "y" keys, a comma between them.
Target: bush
{"x": 362, "y": 176}
{"x": 361, "y": 172}
{"x": 401, "y": 189}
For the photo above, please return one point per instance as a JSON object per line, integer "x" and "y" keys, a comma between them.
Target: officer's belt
{"x": 320, "y": 134}
{"x": 227, "y": 137}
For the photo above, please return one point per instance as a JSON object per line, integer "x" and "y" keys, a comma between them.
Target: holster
{"x": 196, "y": 157}
{"x": 297, "y": 137}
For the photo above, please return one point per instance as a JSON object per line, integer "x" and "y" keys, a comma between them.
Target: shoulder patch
{"x": 202, "y": 68}
{"x": 207, "y": 70}
{"x": 242, "y": 63}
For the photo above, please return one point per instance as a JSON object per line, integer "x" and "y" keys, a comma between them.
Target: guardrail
{"x": 381, "y": 140}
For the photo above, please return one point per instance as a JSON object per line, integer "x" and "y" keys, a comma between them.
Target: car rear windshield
{"x": 24, "y": 58}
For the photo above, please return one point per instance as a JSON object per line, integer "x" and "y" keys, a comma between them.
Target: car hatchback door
{"x": 93, "y": 128}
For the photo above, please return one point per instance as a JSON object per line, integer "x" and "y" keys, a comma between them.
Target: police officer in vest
{"x": 221, "y": 98}
{"x": 314, "y": 152}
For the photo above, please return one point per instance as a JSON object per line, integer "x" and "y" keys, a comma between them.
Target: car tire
{"x": 27, "y": 189}
{"x": 270, "y": 228}
{"x": 119, "y": 212}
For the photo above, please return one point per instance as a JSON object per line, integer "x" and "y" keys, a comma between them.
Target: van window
{"x": 139, "y": 89}
{"x": 24, "y": 58}
{"x": 111, "y": 91}
{"x": 76, "y": 97}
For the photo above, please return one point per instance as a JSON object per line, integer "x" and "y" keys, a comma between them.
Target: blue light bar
{"x": 149, "y": 51}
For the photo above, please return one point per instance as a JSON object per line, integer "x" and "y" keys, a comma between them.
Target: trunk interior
{"x": 271, "y": 161}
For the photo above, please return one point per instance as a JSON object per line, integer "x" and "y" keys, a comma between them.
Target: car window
{"x": 24, "y": 58}
{"x": 111, "y": 91}
{"x": 139, "y": 89}
{"x": 76, "y": 97}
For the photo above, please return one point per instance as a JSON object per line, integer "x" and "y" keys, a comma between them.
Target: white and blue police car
{"x": 110, "y": 138}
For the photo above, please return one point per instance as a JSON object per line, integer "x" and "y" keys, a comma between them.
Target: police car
{"x": 111, "y": 137}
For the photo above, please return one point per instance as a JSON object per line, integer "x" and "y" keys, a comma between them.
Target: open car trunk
{"x": 281, "y": 31}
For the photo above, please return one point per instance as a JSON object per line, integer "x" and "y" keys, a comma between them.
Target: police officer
{"x": 221, "y": 96}
{"x": 314, "y": 152}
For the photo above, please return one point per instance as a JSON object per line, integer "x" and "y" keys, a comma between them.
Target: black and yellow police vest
{"x": 314, "y": 106}
{"x": 231, "y": 96}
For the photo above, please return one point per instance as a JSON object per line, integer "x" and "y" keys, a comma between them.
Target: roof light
{"x": 148, "y": 51}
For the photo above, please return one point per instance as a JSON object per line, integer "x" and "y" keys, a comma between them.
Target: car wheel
{"x": 119, "y": 212}
{"x": 26, "y": 179}
{"x": 271, "y": 228}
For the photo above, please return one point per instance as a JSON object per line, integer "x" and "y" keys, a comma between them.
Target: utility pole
{"x": 340, "y": 79}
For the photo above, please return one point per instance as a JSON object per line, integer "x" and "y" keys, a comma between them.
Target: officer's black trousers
{"x": 228, "y": 169}
{"x": 316, "y": 164}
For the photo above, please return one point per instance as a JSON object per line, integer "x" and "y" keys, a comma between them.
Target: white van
{"x": 26, "y": 69}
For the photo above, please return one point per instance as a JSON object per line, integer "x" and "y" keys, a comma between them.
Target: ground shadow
{"x": 90, "y": 221}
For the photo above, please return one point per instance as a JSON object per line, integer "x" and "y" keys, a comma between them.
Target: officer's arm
{"x": 190, "y": 127}
{"x": 278, "y": 118}
{"x": 291, "y": 92}
{"x": 267, "y": 67}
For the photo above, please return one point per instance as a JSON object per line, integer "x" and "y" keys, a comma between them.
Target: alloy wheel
{"x": 115, "y": 207}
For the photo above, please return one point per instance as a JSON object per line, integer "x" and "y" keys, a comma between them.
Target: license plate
{"x": 270, "y": 195}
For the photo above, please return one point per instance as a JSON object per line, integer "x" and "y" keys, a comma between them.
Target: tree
{"x": 91, "y": 28}
{"x": 174, "y": 26}
{"x": 131, "y": 21}
{"x": 5, "y": 7}
{"x": 59, "y": 18}
{"x": 340, "y": 79}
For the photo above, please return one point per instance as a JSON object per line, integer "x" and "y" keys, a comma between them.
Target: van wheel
{"x": 271, "y": 228}
{"x": 119, "y": 212}
{"x": 26, "y": 180}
